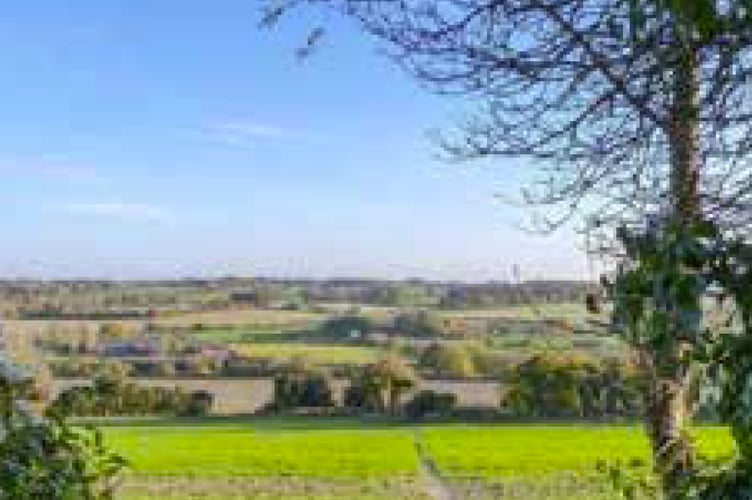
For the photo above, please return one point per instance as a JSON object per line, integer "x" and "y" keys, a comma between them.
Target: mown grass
{"x": 538, "y": 450}
{"x": 545, "y": 462}
{"x": 350, "y": 459}
{"x": 242, "y": 450}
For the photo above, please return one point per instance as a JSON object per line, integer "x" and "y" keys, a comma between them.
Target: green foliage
{"x": 45, "y": 458}
{"x": 633, "y": 480}
{"x": 420, "y": 323}
{"x": 566, "y": 386}
{"x": 301, "y": 386}
{"x": 445, "y": 359}
{"x": 112, "y": 396}
{"x": 703, "y": 20}
{"x": 346, "y": 327}
{"x": 678, "y": 280}
{"x": 658, "y": 290}
{"x": 428, "y": 402}
{"x": 200, "y": 404}
{"x": 378, "y": 387}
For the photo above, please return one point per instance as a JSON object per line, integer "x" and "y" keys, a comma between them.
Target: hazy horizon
{"x": 279, "y": 278}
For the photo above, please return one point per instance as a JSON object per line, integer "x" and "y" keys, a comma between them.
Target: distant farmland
{"x": 321, "y": 354}
{"x": 241, "y": 317}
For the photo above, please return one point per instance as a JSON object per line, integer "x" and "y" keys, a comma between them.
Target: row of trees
{"x": 541, "y": 387}
{"x": 113, "y": 300}
{"x": 439, "y": 359}
{"x": 196, "y": 366}
{"x": 86, "y": 299}
{"x": 110, "y": 395}
{"x": 411, "y": 293}
{"x": 378, "y": 388}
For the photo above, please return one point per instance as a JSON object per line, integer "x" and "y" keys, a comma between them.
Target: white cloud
{"x": 243, "y": 133}
{"x": 140, "y": 211}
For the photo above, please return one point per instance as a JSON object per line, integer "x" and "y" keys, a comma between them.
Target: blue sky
{"x": 170, "y": 138}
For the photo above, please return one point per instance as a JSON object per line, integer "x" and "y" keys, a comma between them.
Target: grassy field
{"x": 315, "y": 353}
{"x": 563, "y": 310}
{"x": 347, "y": 459}
{"x": 240, "y": 335}
{"x": 262, "y": 318}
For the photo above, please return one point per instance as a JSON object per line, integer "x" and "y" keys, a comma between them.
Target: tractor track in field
{"x": 435, "y": 484}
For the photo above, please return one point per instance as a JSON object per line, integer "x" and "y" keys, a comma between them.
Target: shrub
{"x": 347, "y": 327}
{"x": 419, "y": 323}
{"x": 300, "y": 386}
{"x": 449, "y": 360}
{"x": 379, "y": 387}
{"x": 199, "y": 404}
{"x": 572, "y": 387}
{"x": 364, "y": 397}
{"x": 430, "y": 402}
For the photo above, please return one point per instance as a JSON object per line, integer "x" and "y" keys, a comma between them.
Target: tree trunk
{"x": 667, "y": 417}
{"x": 668, "y": 398}
{"x": 684, "y": 140}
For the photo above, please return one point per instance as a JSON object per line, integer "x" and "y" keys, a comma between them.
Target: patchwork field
{"x": 562, "y": 310}
{"x": 240, "y": 335}
{"x": 347, "y": 459}
{"x": 245, "y": 317}
{"x": 323, "y": 354}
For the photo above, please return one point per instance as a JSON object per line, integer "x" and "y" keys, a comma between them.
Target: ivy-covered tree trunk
{"x": 668, "y": 399}
{"x": 667, "y": 416}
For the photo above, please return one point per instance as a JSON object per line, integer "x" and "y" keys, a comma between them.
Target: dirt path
{"x": 436, "y": 486}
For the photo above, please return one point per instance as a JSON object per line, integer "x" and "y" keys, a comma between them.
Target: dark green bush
{"x": 113, "y": 396}
{"x": 299, "y": 386}
{"x": 429, "y": 402}
{"x": 567, "y": 386}
{"x": 45, "y": 458}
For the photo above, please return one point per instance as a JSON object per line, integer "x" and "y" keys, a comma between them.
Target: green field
{"x": 347, "y": 459}
{"x": 539, "y": 311}
{"x": 230, "y": 336}
{"x": 249, "y": 451}
{"x": 315, "y": 353}
{"x": 248, "y": 317}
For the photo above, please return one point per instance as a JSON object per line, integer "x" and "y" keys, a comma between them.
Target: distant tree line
{"x": 97, "y": 300}
{"x": 414, "y": 293}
